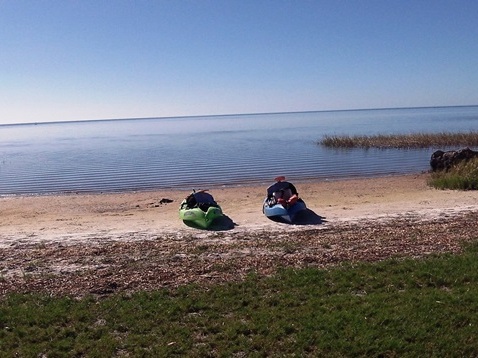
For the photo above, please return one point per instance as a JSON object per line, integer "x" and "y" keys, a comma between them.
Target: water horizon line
{"x": 229, "y": 115}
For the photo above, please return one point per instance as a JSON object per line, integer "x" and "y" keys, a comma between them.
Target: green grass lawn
{"x": 395, "y": 308}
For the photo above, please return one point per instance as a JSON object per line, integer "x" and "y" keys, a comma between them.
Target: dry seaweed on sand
{"x": 145, "y": 264}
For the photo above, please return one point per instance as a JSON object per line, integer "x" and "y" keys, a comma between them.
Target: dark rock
{"x": 165, "y": 201}
{"x": 441, "y": 160}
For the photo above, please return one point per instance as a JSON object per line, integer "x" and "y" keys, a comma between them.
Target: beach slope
{"x": 83, "y": 243}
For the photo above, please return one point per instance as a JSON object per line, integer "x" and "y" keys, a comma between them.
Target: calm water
{"x": 198, "y": 152}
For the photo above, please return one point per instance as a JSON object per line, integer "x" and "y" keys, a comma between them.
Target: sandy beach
{"x": 105, "y": 243}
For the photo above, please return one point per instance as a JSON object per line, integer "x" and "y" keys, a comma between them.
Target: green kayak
{"x": 200, "y": 209}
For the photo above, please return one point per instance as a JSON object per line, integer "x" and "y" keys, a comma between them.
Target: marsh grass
{"x": 463, "y": 176}
{"x": 402, "y": 141}
{"x": 392, "y": 308}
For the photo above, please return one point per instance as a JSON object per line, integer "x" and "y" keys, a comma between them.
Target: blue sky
{"x": 80, "y": 59}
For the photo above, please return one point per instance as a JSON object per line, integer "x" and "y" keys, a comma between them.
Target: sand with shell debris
{"x": 123, "y": 242}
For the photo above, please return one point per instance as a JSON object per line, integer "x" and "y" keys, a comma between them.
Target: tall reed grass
{"x": 402, "y": 141}
{"x": 463, "y": 176}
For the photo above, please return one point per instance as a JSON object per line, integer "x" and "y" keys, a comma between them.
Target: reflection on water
{"x": 198, "y": 152}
